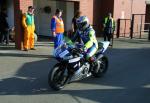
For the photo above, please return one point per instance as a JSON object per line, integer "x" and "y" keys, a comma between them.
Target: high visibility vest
{"x": 29, "y": 19}
{"x": 112, "y": 20}
{"x": 59, "y": 25}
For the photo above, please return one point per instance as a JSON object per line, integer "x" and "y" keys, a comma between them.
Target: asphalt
{"x": 23, "y": 75}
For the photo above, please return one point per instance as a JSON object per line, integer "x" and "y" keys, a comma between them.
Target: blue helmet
{"x": 82, "y": 22}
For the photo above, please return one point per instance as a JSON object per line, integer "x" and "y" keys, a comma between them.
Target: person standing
{"x": 74, "y": 19}
{"x": 29, "y": 28}
{"x": 74, "y": 24}
{"x": 4, "y": 27}
{"x": 109, "y": 27}
{"x": 57, "y": 28}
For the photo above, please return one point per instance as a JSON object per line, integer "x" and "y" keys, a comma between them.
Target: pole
{"x": 149, "y": 33}
{"x": 132, "y": 27}
{"x": 141, "y": 26}
{"x": 131, "y": 9}
{"x": 132, "y": 21}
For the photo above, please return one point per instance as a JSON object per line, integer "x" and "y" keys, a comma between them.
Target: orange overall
{"x": 29, "y": 27}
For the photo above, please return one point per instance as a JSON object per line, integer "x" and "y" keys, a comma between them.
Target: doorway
{"x": 42, "y": 19}
{"x": 9, "y": 7}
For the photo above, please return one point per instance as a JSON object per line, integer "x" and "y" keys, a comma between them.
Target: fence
{"x": 123, "y": 27}
{"x": 133, "y": 28}
{"x": 137, "y": 25}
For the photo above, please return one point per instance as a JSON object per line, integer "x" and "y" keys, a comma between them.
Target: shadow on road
{"x": 127, "y": 75}
{"x": 31, "y": 78}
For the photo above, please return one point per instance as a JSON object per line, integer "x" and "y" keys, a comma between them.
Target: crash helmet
{"x": 82, "y": 23}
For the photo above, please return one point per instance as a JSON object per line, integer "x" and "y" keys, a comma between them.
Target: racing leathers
{"x": 89, "y": 40}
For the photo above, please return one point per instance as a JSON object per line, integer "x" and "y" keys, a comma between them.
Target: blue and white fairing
{"x": 105, "y": 45}
{"x": 63, "y": 52}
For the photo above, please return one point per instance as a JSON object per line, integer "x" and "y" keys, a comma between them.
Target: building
{"x": 96, "y": 10}
{"x": 147, "y": 11}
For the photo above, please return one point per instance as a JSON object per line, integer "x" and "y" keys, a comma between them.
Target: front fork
{"x": 67, "y": 74}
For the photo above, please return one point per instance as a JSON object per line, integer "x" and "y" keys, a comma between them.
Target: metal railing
{"x": 135, "y": 18}
{"x": 123, "y": 27}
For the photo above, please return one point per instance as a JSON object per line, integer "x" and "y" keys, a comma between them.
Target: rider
{"x": 87, "y": 35}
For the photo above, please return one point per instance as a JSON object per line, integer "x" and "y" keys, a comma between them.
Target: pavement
{"x": 23, "y": 76}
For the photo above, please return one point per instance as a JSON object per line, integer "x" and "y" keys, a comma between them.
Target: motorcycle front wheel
{"x": 56, "y": 78}
{"x": 101, "y": 67}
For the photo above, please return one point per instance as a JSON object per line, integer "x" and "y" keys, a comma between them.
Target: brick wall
{"x": 86, "y": 7}
{"x": 138, "y": 7}
{"x": 20, "y": 6}
{"x": 126, "y": 8}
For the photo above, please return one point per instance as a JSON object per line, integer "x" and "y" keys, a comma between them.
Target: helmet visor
{"x": 81, "y": 26}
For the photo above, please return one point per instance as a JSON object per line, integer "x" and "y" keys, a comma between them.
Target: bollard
{"x": 149, "y": 33}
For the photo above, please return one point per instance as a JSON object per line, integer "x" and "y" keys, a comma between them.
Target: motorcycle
{"x": 73, "y": 66}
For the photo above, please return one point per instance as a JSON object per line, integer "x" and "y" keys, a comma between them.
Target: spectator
{"x": 109, "y": 27}
{"x": 74, "y": 24}
{"x": 4, "y": 28}
{"x": 57, "y": 28}
{"x": 29, "y": 28}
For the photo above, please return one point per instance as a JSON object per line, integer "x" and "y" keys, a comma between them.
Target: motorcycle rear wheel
{"x": 101, "y": 67}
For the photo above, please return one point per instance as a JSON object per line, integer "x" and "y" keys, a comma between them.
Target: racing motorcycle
{"x": 73, "y": 66}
